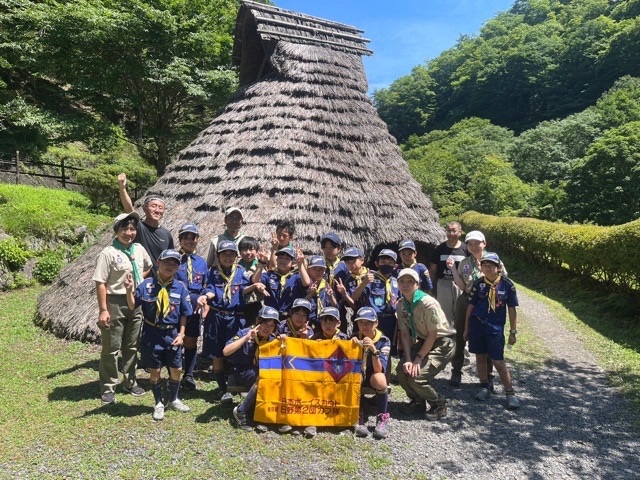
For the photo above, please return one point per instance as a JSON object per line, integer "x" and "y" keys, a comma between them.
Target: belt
{"x": 226, "y": 312}
{"x": 160, "y": 325}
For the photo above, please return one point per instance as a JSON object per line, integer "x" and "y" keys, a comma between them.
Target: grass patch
{"x": 44, "y": 213}
{"x": 607, "y": 321}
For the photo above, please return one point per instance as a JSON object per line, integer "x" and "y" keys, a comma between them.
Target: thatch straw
{"x": 301, "y": 142}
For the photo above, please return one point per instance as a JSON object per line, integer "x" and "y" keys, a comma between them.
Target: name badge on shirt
{"x": 174, "y": 295}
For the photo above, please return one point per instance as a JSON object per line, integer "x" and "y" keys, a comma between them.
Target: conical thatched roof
{"x": 300, "y": 140}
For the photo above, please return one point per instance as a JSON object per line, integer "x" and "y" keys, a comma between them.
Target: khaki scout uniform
{"x": 427, "y": 317}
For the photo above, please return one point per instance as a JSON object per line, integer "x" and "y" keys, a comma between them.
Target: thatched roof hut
{"x": 299, "y": 140}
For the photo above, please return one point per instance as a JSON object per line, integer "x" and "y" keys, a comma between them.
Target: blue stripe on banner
{"x": 270, "y": 363}
{"x": 308, "y": 364}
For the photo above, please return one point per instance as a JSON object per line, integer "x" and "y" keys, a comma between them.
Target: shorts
{"x": 245, "y": 375}
{"x": 218, "y": 330}
{"x": 156, "y": 350}
{"x": 193, "y": 326}
{"x": 486, "y": 338}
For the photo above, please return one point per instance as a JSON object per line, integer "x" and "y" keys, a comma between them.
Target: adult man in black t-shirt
{"x": 446, "y": 290}
{"x": 151, "y": 235}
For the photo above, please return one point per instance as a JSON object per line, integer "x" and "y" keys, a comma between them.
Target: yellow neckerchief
{"x": 331, "y": 267}
{"x": 283, "y": 280}
{"x": 162, "y": 302}
{"x": 293, "y": 329}
{"x": 387, "y": 286}
{"x": 492, "y": 292}
{"x": 229, "y": 280}
{"x": 375, "y": 339}
{"x": 189, "y": 265}
{"x": 359, "y": 276}
{"x": 259, "y": 343}
{"x": 321, "y": 286}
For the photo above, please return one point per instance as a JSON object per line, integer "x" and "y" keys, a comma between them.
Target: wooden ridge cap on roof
{"x": 275, "y": 23}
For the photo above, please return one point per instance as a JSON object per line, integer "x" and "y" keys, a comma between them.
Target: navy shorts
{"x": 486, "y": 338}
{"x": 218, "y": 330}
{"x": 156, "y": 350}
{"x": 193, "y": 326}
{"x": 245, "y": 375}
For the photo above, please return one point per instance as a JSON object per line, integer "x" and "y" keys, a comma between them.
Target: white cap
{"x": 411, "y": 272}
{"x": 475, "y": 235}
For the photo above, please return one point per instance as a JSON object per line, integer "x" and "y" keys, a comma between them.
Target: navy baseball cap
{"x": 330, "y": 312}
{"x": 287, "y": 251}
{"x": 491, "y": 257}
{"x": 269, "y": 313}
{"x": 188, "y": 228}
{"x": 333, "y": 237}
{"x": 317, "y": 261}
{"x": 407, "y": 244}
{"x": 353, "y": 252}
{"x": 388, "y": 253}
{"x": 366, "y": 313}
{"x": 227, "y": 245}
{"x": 301, "y": 303}
{"x": 170, "y": 254}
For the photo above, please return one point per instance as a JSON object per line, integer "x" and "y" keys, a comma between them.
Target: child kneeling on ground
{"x": 165, "y": 307}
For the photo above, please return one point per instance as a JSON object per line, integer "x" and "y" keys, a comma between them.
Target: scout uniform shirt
{"x": 422, "y": 316}
{"x": 490, "y": 302}
{"x": 423, "y": 274}
{"x": 193, "y": 273}
{"x": 383, "y": 347}
{"x": 227, "y": 289}
{"x": 283, "y": 290}
{"x": 163, "y": 305}
{"x": 247, "y": 354}
{"x": 113, "y": 265}
{"x": 382, "y": 295}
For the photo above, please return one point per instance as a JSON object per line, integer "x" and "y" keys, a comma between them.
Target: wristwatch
{"x": 513, "y": 332}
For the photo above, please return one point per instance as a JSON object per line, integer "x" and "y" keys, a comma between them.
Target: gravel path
{"x": 572, "y": 424}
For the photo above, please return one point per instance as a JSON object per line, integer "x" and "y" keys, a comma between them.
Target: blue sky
{"x": 404, "y": 33}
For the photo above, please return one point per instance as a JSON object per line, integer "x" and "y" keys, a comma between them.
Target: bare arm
{"x": 104, "y": 319}
{"x": 125, "y": 199}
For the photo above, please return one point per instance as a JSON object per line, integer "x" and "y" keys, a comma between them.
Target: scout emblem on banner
{"x": 308, "y": 382}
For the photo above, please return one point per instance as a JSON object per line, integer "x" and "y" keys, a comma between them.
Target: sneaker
{"x": 108, "y": 398}
{"x": 285, "y": 428}
{"x": 436, "y": 412}
{"x": 361, "y": 430}
{"x": 414, "y": 406}
{"x": 158, "y": 411}
{"x": 178, "y": 406}
{"x": 380, "y": 431}
{"x": 456, "y": 378}
{"x": 188, "y": 383}
{"x": 512, "y": 402}
{"x": 310, "y": 432}
{"x": 136, "y": 390}
{"x": 482, "y": 394}
{"x": 227, "y": 398}
{"x": 241, "y": 419}
{"x": 261, "y": 428}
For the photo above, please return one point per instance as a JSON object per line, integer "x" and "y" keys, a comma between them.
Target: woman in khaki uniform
{"x": 119, "y": 326}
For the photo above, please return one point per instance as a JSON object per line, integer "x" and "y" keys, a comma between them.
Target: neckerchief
{"x": 322, "y": 285}
{"x": 283, "y": 282}
{"x": 259, "y": 343}
{"x": 404, "y": 265}
{"x": 359, "y": 276}
{"x": 375, "y": 339}
{"x": 475, "y": 272}
{"x": 293, "y": 329}
{"x": 162, "y": 303}
{"x": 248, "y": 266}
{"x": 130, "y": 253}
{"x": 331, "y": 267}
{"x": 189, "y": 263}
{"x": 229, "y": 280}
{"x": 387, "y": 287}
{"x": 492, "y": 292}
{"x": 417, "y": 296}
{"x": 229, "y": 237}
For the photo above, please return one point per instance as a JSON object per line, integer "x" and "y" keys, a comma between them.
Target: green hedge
{"x": 608, "y": 254}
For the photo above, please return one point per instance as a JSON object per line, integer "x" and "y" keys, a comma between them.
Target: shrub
{"x": 13, "y": 254}
{"x": 48, "y": 266}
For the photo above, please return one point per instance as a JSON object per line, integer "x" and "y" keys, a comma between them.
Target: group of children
{"x": 242, "y": 296}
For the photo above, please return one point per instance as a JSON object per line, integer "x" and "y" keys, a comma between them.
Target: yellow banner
{"x": 309, "y": 382}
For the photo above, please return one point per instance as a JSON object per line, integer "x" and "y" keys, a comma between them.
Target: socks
{"x": 173, "y": 390}
{"x": 221, "y": 379}
{"x": 189, "y": 361}
{"x": 156, "y": 388}
{"x": 382, "y": 400}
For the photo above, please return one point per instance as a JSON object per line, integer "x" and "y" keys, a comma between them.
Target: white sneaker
{"x": 178, "y": 406}
{"x": 158, "y": 411}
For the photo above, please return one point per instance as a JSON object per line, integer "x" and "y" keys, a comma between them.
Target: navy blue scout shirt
{"x": 423, "y": 274}
{"x": 146, "y": 296}
{"x": 227, "y": 289}
{"x": 198, "y": 279}
{"x": 351, "y": 282}
{"x": 383, "y": 346}
{"x": 375, "y": 295}
{"x": 505, "y": 297}
{"x": 247, "y": 353}
{"x": 281, "y": 296}
{"x": 334, "y": 269}
{"x": 318, "y": 302}
{"x": 285, "y": 329}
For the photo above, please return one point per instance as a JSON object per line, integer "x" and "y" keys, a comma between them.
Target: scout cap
{"x": 388, "y": 253}
{"x": 333, "y": 237}
{"x": 330, "y": 312}
{"x": 170, "y": 254}
{"x": 407, "y": 244}
{"x": 124, "y": 216}
{"x": 268, "y": 313}
{"x": 230, "y": 210}
{"x": 366, "y": 313}
{"x": 474, "y": 235}
{"x": 227, "y": 245}
{"x": 353, "y": 252}
{"x": 317, "y": 261}
{"x": 152, "y": 198}
{"x": 301, "y": 303}
{"x": 409, "y": 272}
{"x": 287, "y": 251}
{"x": 188, "y": 228}
{"x": 491, "y": 257}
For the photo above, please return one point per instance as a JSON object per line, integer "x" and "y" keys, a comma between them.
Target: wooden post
{"x": 17, "y": 167}
{"x": 64, "y": 183}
